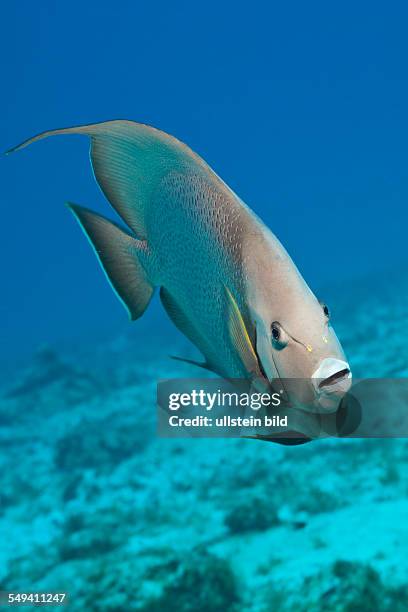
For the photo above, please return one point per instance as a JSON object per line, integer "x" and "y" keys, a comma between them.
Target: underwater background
{"x": 301, "y": 109}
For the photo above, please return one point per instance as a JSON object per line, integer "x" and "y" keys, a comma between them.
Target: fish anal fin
{"x": 118, "y": 253}
{"x": 184, "y": 324}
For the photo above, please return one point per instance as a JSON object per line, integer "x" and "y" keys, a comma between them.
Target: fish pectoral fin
{"x": 240, "y": 337}
{"x": 199, "y": 364}
{"x": 118, "y": 253}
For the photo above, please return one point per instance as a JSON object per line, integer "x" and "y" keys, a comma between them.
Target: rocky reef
{"x": 92, "y": 502}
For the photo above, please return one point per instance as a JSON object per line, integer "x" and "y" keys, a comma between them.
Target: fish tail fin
{"x": 119, "y": 255}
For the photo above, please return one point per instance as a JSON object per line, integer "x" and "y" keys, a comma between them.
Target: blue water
{"x": 302, "y": 110}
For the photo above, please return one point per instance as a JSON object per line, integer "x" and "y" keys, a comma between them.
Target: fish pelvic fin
{"x": 119, "y": 255}
{"x": 240, "y": 337}
{"x": 199, "y": 364}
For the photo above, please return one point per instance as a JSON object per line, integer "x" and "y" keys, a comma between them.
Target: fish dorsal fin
{"x": 240, "y": 337}
{"x": 130, "y": 160}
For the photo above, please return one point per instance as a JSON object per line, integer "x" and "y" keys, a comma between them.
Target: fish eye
{"x": 279, "y": 339}
{"x": 325, "y": 310}
{"x": 275, "y": 330}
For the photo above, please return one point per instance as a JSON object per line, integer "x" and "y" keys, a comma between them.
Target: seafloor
{"x": 93, "y": 503}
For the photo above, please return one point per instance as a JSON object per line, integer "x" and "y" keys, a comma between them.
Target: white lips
{"x": 329, "y": 367}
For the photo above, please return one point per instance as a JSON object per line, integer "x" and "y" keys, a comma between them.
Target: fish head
{"x": 298, "y": 349}
{"x": 302, "y": 352}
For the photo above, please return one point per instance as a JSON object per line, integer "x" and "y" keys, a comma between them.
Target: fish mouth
{"x": 334, "y": 378}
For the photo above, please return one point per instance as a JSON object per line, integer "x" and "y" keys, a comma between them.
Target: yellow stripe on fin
{"x": 239, "y": 335}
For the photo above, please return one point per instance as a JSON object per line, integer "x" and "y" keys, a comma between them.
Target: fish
{"x": 225, "y": 280}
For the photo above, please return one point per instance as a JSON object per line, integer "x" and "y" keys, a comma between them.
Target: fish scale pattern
{"x": 194, "y": 227}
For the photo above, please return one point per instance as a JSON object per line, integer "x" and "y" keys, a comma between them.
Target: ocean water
{"x": 95, "y": 504}
{"x": 302, "y": 111}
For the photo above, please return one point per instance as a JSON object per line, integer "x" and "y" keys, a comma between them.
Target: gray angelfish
{"x": 225, "y": 280}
